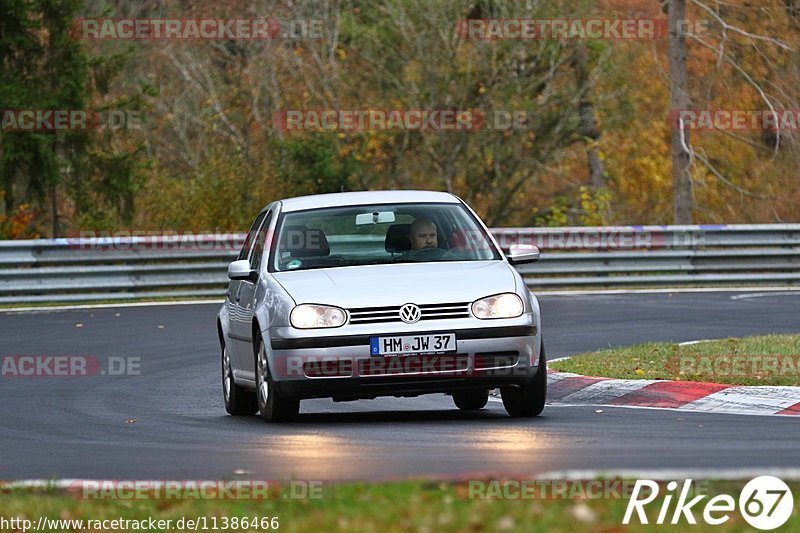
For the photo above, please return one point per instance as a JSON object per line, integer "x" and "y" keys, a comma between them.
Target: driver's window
{"x": 258, "y": 248}
{"x": 250, "y": 237}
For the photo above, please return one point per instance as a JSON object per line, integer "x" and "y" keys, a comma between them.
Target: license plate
{"x": 413, "y": 344}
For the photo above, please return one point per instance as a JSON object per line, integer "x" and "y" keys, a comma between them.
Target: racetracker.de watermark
{"x": 736, "y": 365}
{"x": 736, "y": 119}
{"x": 444, "y": 120}
{"x": 53, "y": 120}
{"x": 555, "y": 489}
{"x": 197, "y": 489}
{"x": 181, "y": 29}
{"x": 128, "y": 240}
{"x": 422, "y": 365}
{"x": 65, "y": 366}
{"x": 601, "y": 28}
{"x": 588, "y": 238}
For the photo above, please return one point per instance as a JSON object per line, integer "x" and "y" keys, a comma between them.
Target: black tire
{"x": 471, "y": 400}
{"x": 271, "y": 405}
{"x": 528, "y": 400}
{"x": 238, "y": 400}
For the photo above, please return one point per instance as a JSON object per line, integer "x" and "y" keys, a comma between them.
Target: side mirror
{"x": 522, "y": 253}
{"x": 241, "y": 270}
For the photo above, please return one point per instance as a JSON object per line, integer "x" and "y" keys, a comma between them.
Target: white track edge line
{"x": 675, "y": 409}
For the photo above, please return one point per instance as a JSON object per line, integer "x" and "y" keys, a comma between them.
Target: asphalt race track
{"x": 169, "y": 422}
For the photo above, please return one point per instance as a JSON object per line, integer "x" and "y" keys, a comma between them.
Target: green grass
{"x": 763, "y": 360}
{"x": 402, "y": 506}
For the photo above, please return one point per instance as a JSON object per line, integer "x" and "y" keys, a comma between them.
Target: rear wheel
{"x": 272, "y": 406}
{"x": 528, "y": 400}
{"x": 238, "y": 401}
{"x": 471, "y": 400}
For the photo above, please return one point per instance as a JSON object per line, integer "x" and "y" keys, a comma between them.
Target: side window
{"x": 258, "y": 249}
{"x": 250, "y": 237}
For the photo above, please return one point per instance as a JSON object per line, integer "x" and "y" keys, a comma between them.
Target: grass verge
{"x": 401, "y": 506}
{"x": 762, "y": 360}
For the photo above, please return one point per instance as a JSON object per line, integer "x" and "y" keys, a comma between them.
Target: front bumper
{"x": 341, "y": 367}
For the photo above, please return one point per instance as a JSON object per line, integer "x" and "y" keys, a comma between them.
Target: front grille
{"x": 377, "y": 315}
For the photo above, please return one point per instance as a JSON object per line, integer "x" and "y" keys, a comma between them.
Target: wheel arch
{"x": 255, "y": 334}
{"x": 220, "y": 335}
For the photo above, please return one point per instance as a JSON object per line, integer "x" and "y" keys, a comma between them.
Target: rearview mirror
{"x": 241, "y": 270}
{"x": 378, "y": 217}
{"x": 522, "y": 253}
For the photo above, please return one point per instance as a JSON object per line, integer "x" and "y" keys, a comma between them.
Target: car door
{"x": 237, "y": 344}
{"x": 245, "y": 305}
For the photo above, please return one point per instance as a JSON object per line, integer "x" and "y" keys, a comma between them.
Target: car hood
{"x": 384, "y": 285}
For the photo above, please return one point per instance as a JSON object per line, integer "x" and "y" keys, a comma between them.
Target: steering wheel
{"x": 425, "y": 254}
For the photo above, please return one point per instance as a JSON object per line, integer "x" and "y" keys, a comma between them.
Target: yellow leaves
{"x": 595, "y": 206}
{"x": 412, "y": 72}
{"x": 341, "y": 53}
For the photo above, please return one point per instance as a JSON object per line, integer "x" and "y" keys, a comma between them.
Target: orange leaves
{"x": 19, "y": 225}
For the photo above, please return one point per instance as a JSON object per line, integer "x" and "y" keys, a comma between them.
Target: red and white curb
{"x": 574, "y": 389}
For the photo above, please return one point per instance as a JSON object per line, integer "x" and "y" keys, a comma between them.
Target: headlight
{"x": 307, "y": 316}
{"x": 507, "y": 305}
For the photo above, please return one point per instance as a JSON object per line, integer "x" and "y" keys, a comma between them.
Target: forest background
{"x": 597, "y": 146}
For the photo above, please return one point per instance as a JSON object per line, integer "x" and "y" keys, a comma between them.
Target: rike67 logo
{"x": 765, "y": 503}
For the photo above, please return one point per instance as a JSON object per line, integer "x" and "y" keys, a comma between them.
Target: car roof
{"x": 344, "y": 199}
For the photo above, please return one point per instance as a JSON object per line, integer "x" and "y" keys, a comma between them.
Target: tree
{"x": 589, "y": 129}
{"x": 43, "y": 67}
{"x": 746, "y": 60}
{"x": 679, "y": 101}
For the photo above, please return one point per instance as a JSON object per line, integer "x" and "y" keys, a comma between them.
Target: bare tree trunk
{"x": 54, "y": 210}
{"x": 588, "y": 128}
{"x": 8, "y": 198}
{"x": 679, "y": 101}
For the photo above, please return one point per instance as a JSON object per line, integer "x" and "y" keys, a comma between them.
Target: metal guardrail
{"x": 189, "y": 265}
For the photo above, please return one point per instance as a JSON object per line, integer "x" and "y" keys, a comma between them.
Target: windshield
{"x": 379, "y": 234}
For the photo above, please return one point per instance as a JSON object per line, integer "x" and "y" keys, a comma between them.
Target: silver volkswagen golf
{"x": 387, "y": 293}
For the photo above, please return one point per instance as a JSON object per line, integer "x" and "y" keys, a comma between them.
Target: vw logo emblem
{"x": 410, "y": 313}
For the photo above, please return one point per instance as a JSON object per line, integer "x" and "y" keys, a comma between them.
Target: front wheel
{"x": 238, "y": 401}
{"x": 272, "y": 406}
{"x": 528, "y": 400}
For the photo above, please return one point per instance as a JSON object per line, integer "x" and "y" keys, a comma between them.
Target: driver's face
{"x": 424, "y": 236}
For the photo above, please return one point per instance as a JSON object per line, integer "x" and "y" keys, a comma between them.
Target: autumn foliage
{"x": 209, "y": 155}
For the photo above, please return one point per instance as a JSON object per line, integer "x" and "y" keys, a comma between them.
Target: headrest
{"x": 398, "y": 238}
{"x": 300, "y": 241}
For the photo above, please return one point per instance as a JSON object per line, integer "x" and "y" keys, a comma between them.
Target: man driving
{"x": 423, "y": 234}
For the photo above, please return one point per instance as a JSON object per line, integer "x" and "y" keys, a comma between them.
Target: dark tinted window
{"x": 250, "y": 237}
{"x": 258, "y": 249}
